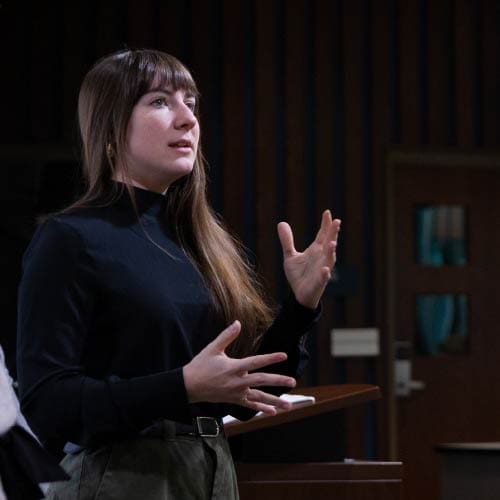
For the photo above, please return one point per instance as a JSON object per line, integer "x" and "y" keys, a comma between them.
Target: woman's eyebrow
{"x": 160, "y": 89}
{"x": 187, "y": 94}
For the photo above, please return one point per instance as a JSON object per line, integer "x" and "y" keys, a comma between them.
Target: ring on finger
{"x": 244, "y": 398}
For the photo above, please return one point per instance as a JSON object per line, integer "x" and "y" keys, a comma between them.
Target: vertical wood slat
{"x": 295, "y": 117}
{"x": 310, "y": 113}
{"x": 248, "y": 158}
{"x": 382, "y": 137}
{"x": 266, "y": 89}
{"x": 465, "y": 72}
{"x": 438, "y": 74}
{"x": 45, "y": 77}
{"x": 140, "y": 26}
{"x": 76, "y": 62}
{"x": 408, "y": 57}
{"x": 15, "y": 84}
{"x": 233, "y": 109}
{"x": 352, "y": 228}
{"x": 489, "y": 65}
{"x": 204, "y": 67}
{"x": 172, "y": 30}
{"x": 207, "y": 72}
{"x": 325, "y": 91}
{"x": 110, "y": 27}
{"x": 203, "y": 61}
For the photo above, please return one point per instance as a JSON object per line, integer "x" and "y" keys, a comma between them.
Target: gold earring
{"x": 110, "y": 152}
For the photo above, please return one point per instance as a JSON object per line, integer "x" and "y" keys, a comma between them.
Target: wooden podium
{"x": 297, "y": 468}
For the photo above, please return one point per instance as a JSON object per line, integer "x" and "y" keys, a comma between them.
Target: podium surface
{"x": 328, "y": 398}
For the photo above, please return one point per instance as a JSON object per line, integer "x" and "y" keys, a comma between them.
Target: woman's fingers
{"x": 224, "y": 339}
{"x": 212, "y": 376}
{"x": 330, "y": 243}
{"x": 259, "y": 379}
{"x": 254, "y": 405}
{"x": 264, "y": 402}
{"x": 326, "y": 220}
{"x": 252, "y": 363}
{"x": 334, "y": 230}
{"x": 269, "y": 399}
{"x": 285, "y": 235}
{"x": 329, "y": 253}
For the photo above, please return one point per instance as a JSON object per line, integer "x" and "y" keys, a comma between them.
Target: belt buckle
{"x": 199, "y": 423}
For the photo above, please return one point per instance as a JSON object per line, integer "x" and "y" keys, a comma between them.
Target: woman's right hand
{"x": 212, "y": 376}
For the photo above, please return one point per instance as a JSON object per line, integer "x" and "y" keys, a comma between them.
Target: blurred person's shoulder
{"x": 8, "y": 402}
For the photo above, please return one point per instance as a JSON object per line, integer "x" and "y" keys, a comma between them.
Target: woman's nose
{"x": 185, "y": 118}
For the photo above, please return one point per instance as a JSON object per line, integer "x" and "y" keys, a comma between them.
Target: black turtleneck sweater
{"x": 110, "y": 310}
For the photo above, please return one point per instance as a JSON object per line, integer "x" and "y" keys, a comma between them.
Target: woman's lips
{"x": 183, "y": 150}
{"x": 182, "y": 146}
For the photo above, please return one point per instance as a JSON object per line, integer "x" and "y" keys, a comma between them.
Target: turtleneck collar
{"x": 147, "y": 202}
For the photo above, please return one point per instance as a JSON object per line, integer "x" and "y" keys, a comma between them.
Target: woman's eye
{"x": 191, "y": 105}
{"x": 159, "y": 102}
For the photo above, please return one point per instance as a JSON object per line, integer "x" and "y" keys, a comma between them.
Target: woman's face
{"x": 162, "y": 139}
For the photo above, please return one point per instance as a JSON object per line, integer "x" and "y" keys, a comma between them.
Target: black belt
{"x": 208, "y": 427}
{"x": 201, "y": 426}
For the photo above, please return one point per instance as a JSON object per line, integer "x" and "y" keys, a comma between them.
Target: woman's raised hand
{"x": 308, "y": 272}
{"x": 212, "y": 376}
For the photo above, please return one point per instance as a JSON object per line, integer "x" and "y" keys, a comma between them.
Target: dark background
{"x": 301, "y": 103}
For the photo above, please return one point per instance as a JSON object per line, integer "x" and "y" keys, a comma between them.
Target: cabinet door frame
{"x": 397, "y": 158}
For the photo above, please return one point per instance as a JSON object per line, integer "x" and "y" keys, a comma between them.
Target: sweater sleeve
{"x": 288, "y": 334}
{"x": 56, "y": 302}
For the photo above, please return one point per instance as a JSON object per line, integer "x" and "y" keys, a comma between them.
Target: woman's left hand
{"x": 308, "y": 272}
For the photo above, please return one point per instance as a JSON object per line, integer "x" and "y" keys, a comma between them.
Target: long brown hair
{"x": 107, "y": 97}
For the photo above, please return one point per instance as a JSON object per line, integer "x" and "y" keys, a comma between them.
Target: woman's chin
{"x": 180, "y": 172}
{"x": 171, "y": 176}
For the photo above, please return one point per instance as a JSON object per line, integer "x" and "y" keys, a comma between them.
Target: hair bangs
{"x": 164, "y": 71}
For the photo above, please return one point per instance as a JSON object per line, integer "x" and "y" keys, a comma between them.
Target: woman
{"x": 125, "y": 356}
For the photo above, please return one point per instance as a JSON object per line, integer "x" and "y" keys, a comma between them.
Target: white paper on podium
{"x": 291, "y": 398}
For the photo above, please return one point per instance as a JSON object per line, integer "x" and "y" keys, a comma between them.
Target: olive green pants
{"x": 151, "y": 468}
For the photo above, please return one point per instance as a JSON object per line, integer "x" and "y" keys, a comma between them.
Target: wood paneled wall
{"x": 301, "y": 99}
